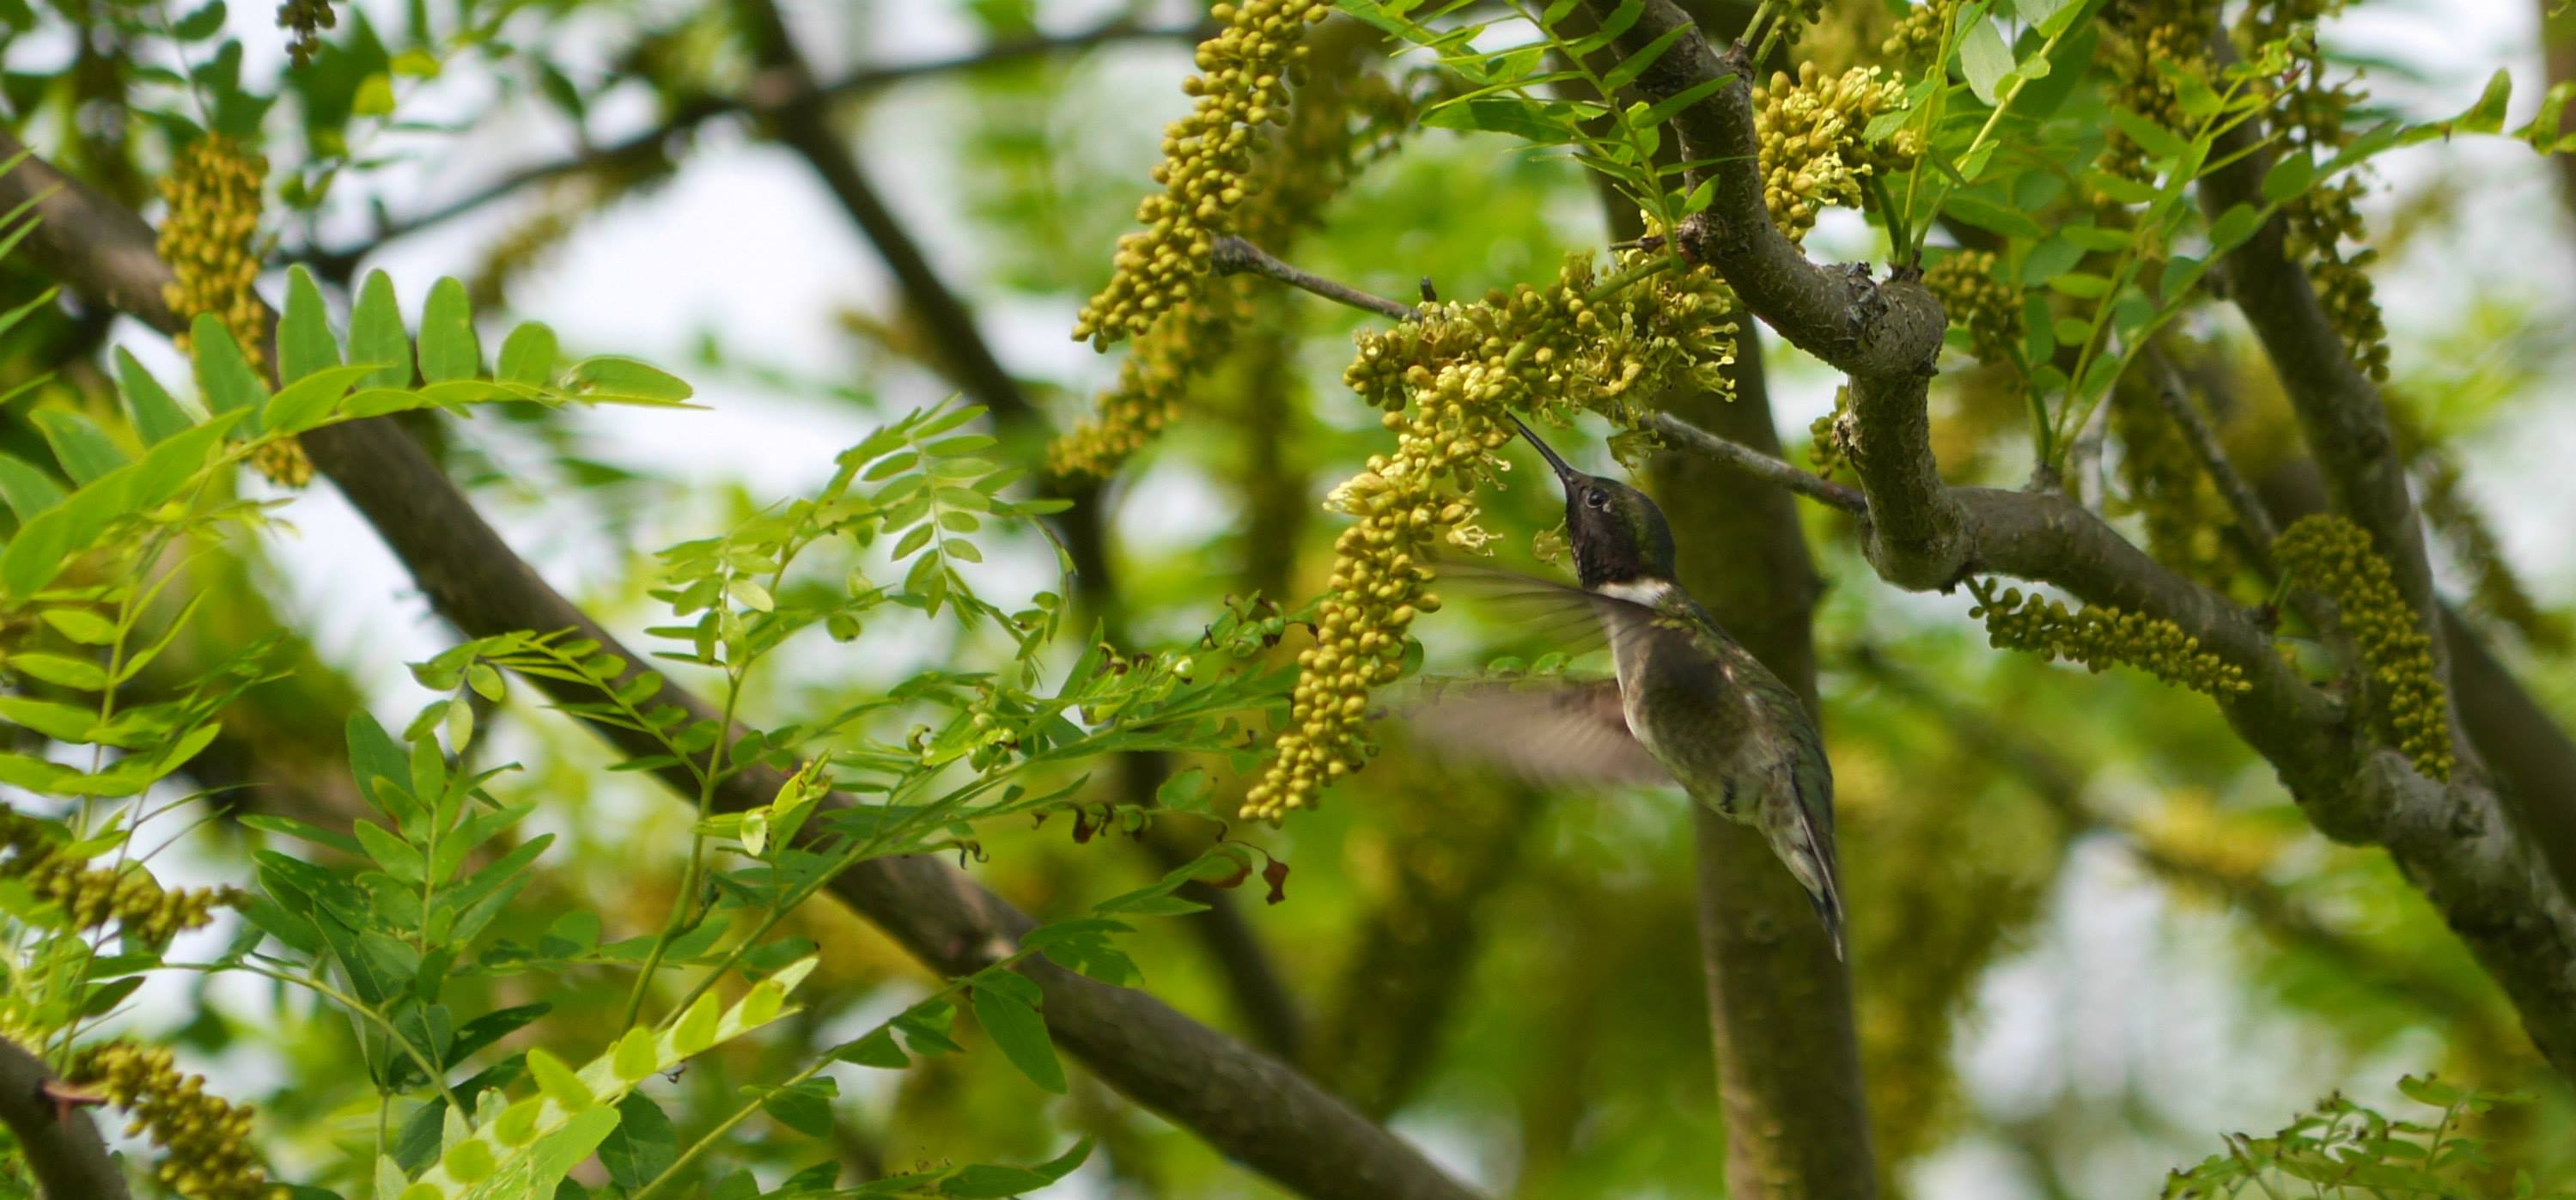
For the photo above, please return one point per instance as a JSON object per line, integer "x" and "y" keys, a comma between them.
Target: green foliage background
{"x": 2092, "y": 938}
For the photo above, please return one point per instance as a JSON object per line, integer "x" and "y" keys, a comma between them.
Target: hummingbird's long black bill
{"x": 1563, "y": 472}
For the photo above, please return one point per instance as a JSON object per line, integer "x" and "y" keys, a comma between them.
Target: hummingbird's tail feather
{"x": 1808, "y": 852}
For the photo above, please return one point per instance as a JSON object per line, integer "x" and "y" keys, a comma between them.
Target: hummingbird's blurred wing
{"x": 1552, "y": 733}
{"x": 1552, "y": 611}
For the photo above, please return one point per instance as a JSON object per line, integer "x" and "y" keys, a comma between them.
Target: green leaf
{"x": 528, "y": 356}
{"x": 81, "y": 625}
{"x": 376, "y": 334}
{"x": 156, "y": 415}
{"x": 558, "y": 1082}
{"x": 804, "y": 1106}
{"x": 54, "y": 668}
{"x": 2487, "y": 115}
{"x": 1021, "y": 1033}
{"x": 26, "y": 488}
{"x": 309, "y": 401}
{"x": 1984, "y": 58}
{"x": 609, "y": 377}
{"x": 293, "y": 828}
{"x": 2155, "y": 139}
{"x": 2288, "y": 177}
{"x": 204, "y": 23}
{"x": 2037, "y": 12}
{"x": 448, "y": 347}
{"x": 1548, "y": 123}
{"x": 635, "y": 1057}
{"x": 1988, "y": 215}
{"x": 55, "y": 720}
{"x": 2232, "y": 228}
{"x": 644, "y": 1144}
{"x": 224, "y": 377}
{"x": 79, "y": 444}
{"x": 304, "y": 342}
{"x": 375, "y": 96}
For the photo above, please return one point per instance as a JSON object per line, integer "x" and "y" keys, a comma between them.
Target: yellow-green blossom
{"x": 2100, "y": 638}
{"x": 1243, "y": 85}
{"x": 2335, "y": 557}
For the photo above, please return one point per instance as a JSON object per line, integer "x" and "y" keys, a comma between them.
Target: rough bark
{"x": 59, "y": 1142}
{"x": 1249, "y": 1105}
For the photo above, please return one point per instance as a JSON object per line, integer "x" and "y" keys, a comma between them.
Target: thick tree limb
{"x": 1780, "y": 1010}
{"x": 59, "y": 1142}
{"x": 1249, "y": 1105}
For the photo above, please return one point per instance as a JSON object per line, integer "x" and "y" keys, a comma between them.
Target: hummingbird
{"x": 1686, "y": 705}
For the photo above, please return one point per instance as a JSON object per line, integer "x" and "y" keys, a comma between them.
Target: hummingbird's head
{"x": 1619, "y": 536}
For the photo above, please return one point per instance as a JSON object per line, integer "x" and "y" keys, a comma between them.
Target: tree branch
{"x": 59, "y": 1141}
{"x": 766, "y": 94}
{"x": 1247, "y": 1104}
{"x": 1233, "y": 256}
{"x": 2455, "y": 842}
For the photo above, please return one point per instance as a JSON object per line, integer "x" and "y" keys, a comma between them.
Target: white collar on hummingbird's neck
{"x": 1645, "y": 590}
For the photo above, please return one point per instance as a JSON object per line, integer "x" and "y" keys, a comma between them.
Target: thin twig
{"x": 1761, "y": 466}
{"x": 2251, "y": 515}
{"x": 1234, "y": 256}
{"x": 767, "y": 93}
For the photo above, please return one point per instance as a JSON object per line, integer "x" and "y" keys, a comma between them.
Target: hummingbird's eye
{"x": 1596, "y": 498}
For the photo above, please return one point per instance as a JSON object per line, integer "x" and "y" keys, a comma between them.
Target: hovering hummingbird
{"x": 1687, "y": 704}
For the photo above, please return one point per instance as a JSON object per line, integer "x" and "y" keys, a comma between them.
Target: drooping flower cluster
{"x": 2308, "y": 115}
{"x": 1446, "y": 382}
{"x": 1150, "y": 387}
{"x": 214, "y": 193}
{"x": 2101, "y": 638}
{"x": 1342, "y": 119}
{"x": 92, "y": 897}
{"x": 1978, "y": 302}
{"x": 2335, "y": 557}
{"x": 209, "y": 240}
{"x": 205, "y": 1138}
{"x": 1246, "y": 69}
{"x": 1917, "y": 37}
{"x": 1815, "y": 152}
{"x": 305, "y": 19}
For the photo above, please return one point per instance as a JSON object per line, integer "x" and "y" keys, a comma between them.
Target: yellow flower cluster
{"x": 1830, "y": 438}
{"x": 1814, "y": 152}
{"x": 2335, "y": 557}
{"x": 1342, "y": 117}
{"x": 214, "y": 193}
{"x": 1445, "y": 382}
{"x": 207, "y": 1138}
{"x": 2184, "y": 513}
{"x": 2142, "y": 32}
{"x": 306, "y": 19}
{"x": 93, "y": 896}
{"x": 1151, "y": 384}
{"x": 1978, "y": 302}
{"x": 1917, "y": 38}
{"x": 2102, "y": 637}
{"x": 1244, "y": 86}
{"x": 209, "y": 240}
{"x": 2308, "y": 115}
